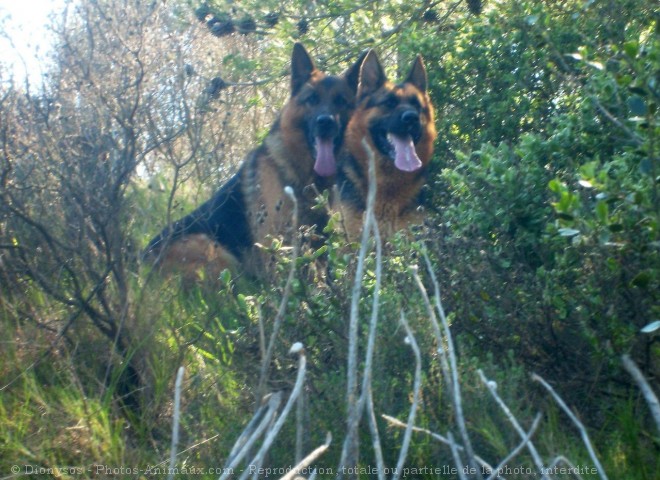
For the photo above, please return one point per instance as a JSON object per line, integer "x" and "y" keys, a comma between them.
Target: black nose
{"x": 326, "y": 126}
{"x": 325, "y": 121}
{"x": 410, "y": 117}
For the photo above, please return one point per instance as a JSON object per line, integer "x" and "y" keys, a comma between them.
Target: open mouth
{"x": 401, "y": 148}
{"x": 405, "y": 155}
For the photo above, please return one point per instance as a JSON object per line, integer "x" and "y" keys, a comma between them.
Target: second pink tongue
{"x": 325, "y": 164}
{"x": 405, "y": 156}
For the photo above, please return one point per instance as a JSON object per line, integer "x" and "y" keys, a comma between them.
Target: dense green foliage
{"x": 542, "y": 228}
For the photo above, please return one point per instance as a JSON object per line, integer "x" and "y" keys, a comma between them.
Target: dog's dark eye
{"x": 340, "y": 101}
{"x": 391, "y": 101}
{"x": 414, "y": 102}
{"x": 312, "y": 99}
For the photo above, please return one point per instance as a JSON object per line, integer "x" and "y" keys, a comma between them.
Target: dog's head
{"x": 397, "y": 119}
{"x": 315, "y": 118}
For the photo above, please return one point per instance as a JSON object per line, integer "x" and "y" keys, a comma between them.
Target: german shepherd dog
{"x": 397, "y": 122}
{"x": 299, "y": 152}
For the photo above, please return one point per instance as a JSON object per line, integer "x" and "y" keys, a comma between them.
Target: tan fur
{"x": 197, "y": 257}
{"x": 396, "y": 205}
{"x": 285, "y": 159}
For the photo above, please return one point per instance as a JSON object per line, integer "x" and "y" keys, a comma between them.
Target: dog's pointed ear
{"x": 372, "y": 75}
{"x": 352, "y": 75}
{"x": 302, "y": 67}
{"x": 417, "y": 75}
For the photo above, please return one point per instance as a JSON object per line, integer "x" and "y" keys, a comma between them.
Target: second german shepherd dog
{"x": 299, "y": 152}
{"x": 397, "y": 122}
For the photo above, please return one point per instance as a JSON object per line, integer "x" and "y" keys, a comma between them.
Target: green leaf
{"x": 320, "y": 251}
{"x": 642, "y": 279}
{"x": 240, "y": 298}
{"x": 556, "y": 186}
{"x": 225, "y": 276}
{"x": 532, "y": 19}
{"x": 602, "y": 211}
{"x": 631, "y": 48}
{"x": 568, "y": 232}
{"x": 637, "y": 105}
{"x": 639, "y": 91}
{"x": 651, "y": 327}
{"x": 645, "y": 166}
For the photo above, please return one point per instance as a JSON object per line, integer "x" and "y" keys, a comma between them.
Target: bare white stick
{"x": 350, "y": 447}
{"x": 568, "y": 463}
{"x": 366, "y": 396}
{"x": 304, "y": 464}
{"x": 258, "y": 459}
{"x": 399, "y": 424}
{"x": 417, "y": 385}
{"x": 175, "y": 421}
{"x": 265, "y": 365}
{"x": 578, "y": 424}
{"x": 262, "y": 336}
{"x": 192, "y": 447}
{"x": 375, "y": 436}
{"x": 526, "y": 439}
{"x": 492, "y": 388}
{"x": 300, "y": 428}
{"x": 251, "y": 434}
{"x": 457, "y": 458}
{"x": 456, "y": 390}
{"x": 444, "y": 361}
{"x": 643, "y": 384}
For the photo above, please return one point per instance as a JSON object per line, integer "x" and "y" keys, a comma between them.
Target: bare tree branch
{"x": 277, "y": 323}
{"x": 526, "y": 440}
{"x": 304, "y": 464}
{"x": 257, "y": 461}
{"x": 417, "y": 385}
{"x": 175, "y": 421}
{"x": 576, "y": 422}
{"x": 643, "y": 384}
{"x": 492, "y": 388}
{"x": 350, "y": 447}
{"x": 399, "y": 424}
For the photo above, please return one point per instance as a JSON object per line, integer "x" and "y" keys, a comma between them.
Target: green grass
{"x": 61, "y": 413}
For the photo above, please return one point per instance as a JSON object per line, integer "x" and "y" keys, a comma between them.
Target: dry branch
{"x": 513, "y": 421}
{"x": 399, "y": 424}
{"x": 308, "y": 460}
{"x": 410, "y": 339}
{"x": 258, "y": 459}
{"x": 647, "y": 391}
{"x": 578, "y": 424}
{"x": 350, "y": 448}
{"x": 457, "y": 400}
{"x": 277, "y": 323}
{"x": 175, "y": 420}
{"x": 526, "y": 440}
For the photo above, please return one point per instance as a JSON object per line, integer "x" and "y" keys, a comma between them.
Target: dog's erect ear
{"x": 352, "y": 75}
{"x": 302, "y": 67}
{"x": 417, "y": 75}
{"x": 372, "y": 75}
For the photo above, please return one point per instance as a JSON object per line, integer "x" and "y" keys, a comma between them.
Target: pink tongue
{"x": 325, "y": 157}
{"x": 405, "y": 156}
